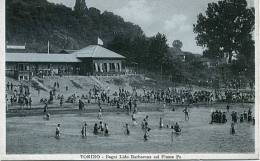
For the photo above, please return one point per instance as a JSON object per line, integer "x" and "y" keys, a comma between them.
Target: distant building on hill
{"x": 91, "y": 60}
{"x": 208, "y": 62}
{"x": 16, "y": 48}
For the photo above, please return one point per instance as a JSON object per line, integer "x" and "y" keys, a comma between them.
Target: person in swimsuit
{"x": 143, "y": 124}
{"x": 47, "y": 116}
{"x": 106, "y": 130}
{"x": 84, "y": 130}
{"x": 228, "y": 108}
{"x": 45, "y": 107}
{"x": 127, "y": 131}
{"x": 134, "y": 119}
{"x": 101, "y": 127}
{"x": 161, "y": 123}
{"x": 186, "y": 113}
{"x": 146, "y": 135}
{"x": 95, "y": 129}
{"x": 100, "y": 116}
{"x": 241, "y": 118}
{"x": 58, "y": 131}
{"x": 232, "y": 129}
{"x": 177, "y": 128}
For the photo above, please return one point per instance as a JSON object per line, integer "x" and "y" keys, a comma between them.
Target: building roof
{"x": 40, "y": 57}
{"x": 92, "y": 51}
{"x": 21, "y": 47}
{"x": 96, "y": 51}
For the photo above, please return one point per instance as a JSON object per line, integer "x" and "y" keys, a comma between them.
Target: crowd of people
{"x": 221, "y": 117}
{"x": 129, "y": 100}
{"x": 238, "y": 83}
{"x": 218, "y": 117}
{"x": 18, "y": 94}
{"x": 245, "y": 116}
{"x": 101, "y": 128}
{"x": 190, "y": 96}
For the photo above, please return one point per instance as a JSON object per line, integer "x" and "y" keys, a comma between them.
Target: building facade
{"x": 91, "y": 60}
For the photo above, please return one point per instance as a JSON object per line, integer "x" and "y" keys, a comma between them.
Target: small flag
{"x": 100, "y": 42}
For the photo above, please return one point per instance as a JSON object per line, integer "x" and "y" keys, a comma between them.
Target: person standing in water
{"x": 101, "y": 127}
{"x": 146, "y": 118}
{"x": 134, "y": 119}
{"x": 100, "y": 116}
{"x": 106, "y": 130}
{"x": 58, "y": 131}
{"x": 228, "y": 108}
{"x": 142, "y": 124}
{"x": 161, "y": 123}
{"x": 46, "y": 117}
{"x": 146, "y": 135}
{"x": 145, "y": 123}
{"x": 84, "y": 130}
{"x": 172, "y": 134}
{"x": 61, "y": 101}
{"x": 186, "y": 112}
{"x": 177, "y": 128}
{"x": 232, "y": 129}
{"x": 45, "y": 107}
{"x": 127, "y": 131}
{"x": 95, "y": 131}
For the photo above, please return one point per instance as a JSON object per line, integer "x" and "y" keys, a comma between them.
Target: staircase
{"x": 40, "y": 84}
{"x": 103, "y": 85}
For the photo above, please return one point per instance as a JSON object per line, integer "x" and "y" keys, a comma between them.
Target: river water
{"x": 33, "y": 135}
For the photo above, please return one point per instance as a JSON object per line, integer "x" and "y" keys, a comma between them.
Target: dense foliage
{"x": 148, "y": 53}
{"x": 36, "y": 21}
{"x": 227, "y": 28}
{"x": 177, "y": 44}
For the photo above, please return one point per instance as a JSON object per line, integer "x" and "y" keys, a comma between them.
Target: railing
{"x": 42, "y": 73}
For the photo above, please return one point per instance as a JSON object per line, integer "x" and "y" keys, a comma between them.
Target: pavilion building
{"x": 91, "y": 60}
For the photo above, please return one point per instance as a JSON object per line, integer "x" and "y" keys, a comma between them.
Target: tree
{"x": 177, "y": 44}
{"x": 225, "y": 28}
{"x": 149, "y": 53}
{"x": 80, "y": 7}
{"x": 157, "y": 50}
{"x": 245, "y": 64}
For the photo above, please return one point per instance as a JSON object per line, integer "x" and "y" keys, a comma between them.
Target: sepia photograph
{"x": 130, "y": 77}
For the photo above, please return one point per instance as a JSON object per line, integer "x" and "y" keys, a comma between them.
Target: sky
{"x": 174, "y": 18}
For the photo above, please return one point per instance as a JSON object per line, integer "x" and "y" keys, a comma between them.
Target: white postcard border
{"x": 180, "y": 156}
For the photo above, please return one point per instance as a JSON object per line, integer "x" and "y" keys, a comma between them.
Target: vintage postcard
{"x": 129, "y": 79}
